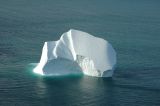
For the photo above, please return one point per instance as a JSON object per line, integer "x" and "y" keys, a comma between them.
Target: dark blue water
{"x": 131, "y": 26}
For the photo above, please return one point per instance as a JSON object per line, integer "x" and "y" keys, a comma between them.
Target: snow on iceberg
{"x": 77, "y": 52}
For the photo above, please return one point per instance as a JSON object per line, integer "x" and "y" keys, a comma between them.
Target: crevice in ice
{"x": 87, "y": 66}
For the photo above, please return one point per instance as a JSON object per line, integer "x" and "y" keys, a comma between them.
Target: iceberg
{"x": 77, "y": 52}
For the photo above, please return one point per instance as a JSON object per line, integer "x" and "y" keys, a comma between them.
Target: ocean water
{"x": 131, "y": 26}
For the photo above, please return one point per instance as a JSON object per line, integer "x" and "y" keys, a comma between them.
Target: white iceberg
{"x": 77, "y": 52}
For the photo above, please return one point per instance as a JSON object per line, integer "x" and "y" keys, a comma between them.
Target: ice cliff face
{"x": 77, "y": 52}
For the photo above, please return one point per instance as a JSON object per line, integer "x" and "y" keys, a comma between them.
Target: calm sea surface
{"x": 131, "y": 26}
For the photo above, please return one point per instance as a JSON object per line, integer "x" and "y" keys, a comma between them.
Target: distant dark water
{"x": 132, "y": 27}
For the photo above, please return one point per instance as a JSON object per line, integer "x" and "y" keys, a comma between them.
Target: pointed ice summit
{"x": 77, "y": 52}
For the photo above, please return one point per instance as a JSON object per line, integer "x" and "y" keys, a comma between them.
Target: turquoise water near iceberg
{"x": 132, "y": 27}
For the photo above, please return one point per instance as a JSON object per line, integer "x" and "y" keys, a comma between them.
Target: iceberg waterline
{"x": 77, "y": 52}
